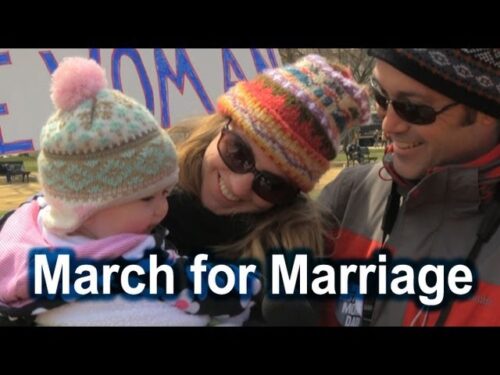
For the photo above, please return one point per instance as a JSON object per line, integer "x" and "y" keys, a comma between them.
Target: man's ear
{"x": 485, "y": 119}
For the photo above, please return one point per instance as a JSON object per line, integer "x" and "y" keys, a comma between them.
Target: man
{"x": 435, "y": 187}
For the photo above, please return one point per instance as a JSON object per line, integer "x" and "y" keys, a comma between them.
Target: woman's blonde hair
{"x": 299, "y": 225}
{"x": 192, "y": 137}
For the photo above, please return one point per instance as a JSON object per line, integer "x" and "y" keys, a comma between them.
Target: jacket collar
{"x": 466, "y": 185}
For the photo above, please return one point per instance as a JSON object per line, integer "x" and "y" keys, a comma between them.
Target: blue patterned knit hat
{"x": 469, "y": 75}
{"x": 99, "y": 149}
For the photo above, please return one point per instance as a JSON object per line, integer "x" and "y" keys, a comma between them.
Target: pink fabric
{"x": 21, "y": 233}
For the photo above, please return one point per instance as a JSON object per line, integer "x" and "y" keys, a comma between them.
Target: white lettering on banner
{"x": 172, "y": 83}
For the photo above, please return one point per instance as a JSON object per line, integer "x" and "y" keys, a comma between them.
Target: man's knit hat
{"x": 99, "y": 149}
{"x": 469, "y": 75}
{"x": 296, "y": 113}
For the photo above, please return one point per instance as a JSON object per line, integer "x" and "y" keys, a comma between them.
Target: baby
{"x": 106, "y": 168}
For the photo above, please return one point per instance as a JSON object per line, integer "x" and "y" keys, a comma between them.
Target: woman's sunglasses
{"x": 418, "y": 114}
{"x": 239, "y": 158}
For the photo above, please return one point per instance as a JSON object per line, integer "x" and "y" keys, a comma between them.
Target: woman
{"x": 245, "y": 171}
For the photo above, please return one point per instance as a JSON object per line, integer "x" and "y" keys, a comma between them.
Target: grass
{"x": 28, "y": 159}
{"x": 374, "y": 151}
{"x": 30, "y": 164}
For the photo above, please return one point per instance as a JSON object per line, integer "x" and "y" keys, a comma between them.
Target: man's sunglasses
{"x": 239, "y": 158}
{"x": 418, "y": 114}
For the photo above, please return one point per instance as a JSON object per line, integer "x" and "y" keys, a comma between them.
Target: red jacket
{"x": 438, "y": 218}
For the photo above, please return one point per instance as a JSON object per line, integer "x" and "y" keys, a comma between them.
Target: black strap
{"x": 489, "y": 225}
{"x": 388, "y": 221}
{"x": 391, "y": 211}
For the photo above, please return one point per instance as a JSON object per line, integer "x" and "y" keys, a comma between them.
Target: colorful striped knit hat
{"x": 99, "y": 149}
{"x": 469, "y": 75}
{"x": 296, "y": 113}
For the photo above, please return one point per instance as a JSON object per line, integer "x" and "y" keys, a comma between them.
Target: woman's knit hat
{"x": 99, "y": 149}
{"x": 469, "y": 75}
{"x": 296, "y": 113}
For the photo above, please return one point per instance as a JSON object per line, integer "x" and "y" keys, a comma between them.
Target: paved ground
{"x": 327, "y": 177}
{"x": 11, "y": 195}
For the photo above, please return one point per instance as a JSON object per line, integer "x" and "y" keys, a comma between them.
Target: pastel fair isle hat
{"x": 99, "y": 149}
{"x": 297, "y": 113}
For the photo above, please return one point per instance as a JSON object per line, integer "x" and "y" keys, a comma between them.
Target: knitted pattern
{"x": 468, "y": 75}
{"x": 101, "y": 150}
{"x": 296, "y": 113}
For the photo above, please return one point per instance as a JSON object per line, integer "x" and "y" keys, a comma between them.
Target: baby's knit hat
{"x": 296, "y": 113}
{"x": 99, "y": 149}
{"x": 468, "y": 75}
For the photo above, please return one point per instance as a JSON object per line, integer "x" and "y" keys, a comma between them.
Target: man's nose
{"x": 392, "y": 123}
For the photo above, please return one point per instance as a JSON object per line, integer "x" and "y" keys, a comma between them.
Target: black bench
{"x": 13, "y": 168}
{"x": 356, "y": 153}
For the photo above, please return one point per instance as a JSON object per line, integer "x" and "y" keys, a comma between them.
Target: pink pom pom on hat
{"x": 75, "y": 80}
